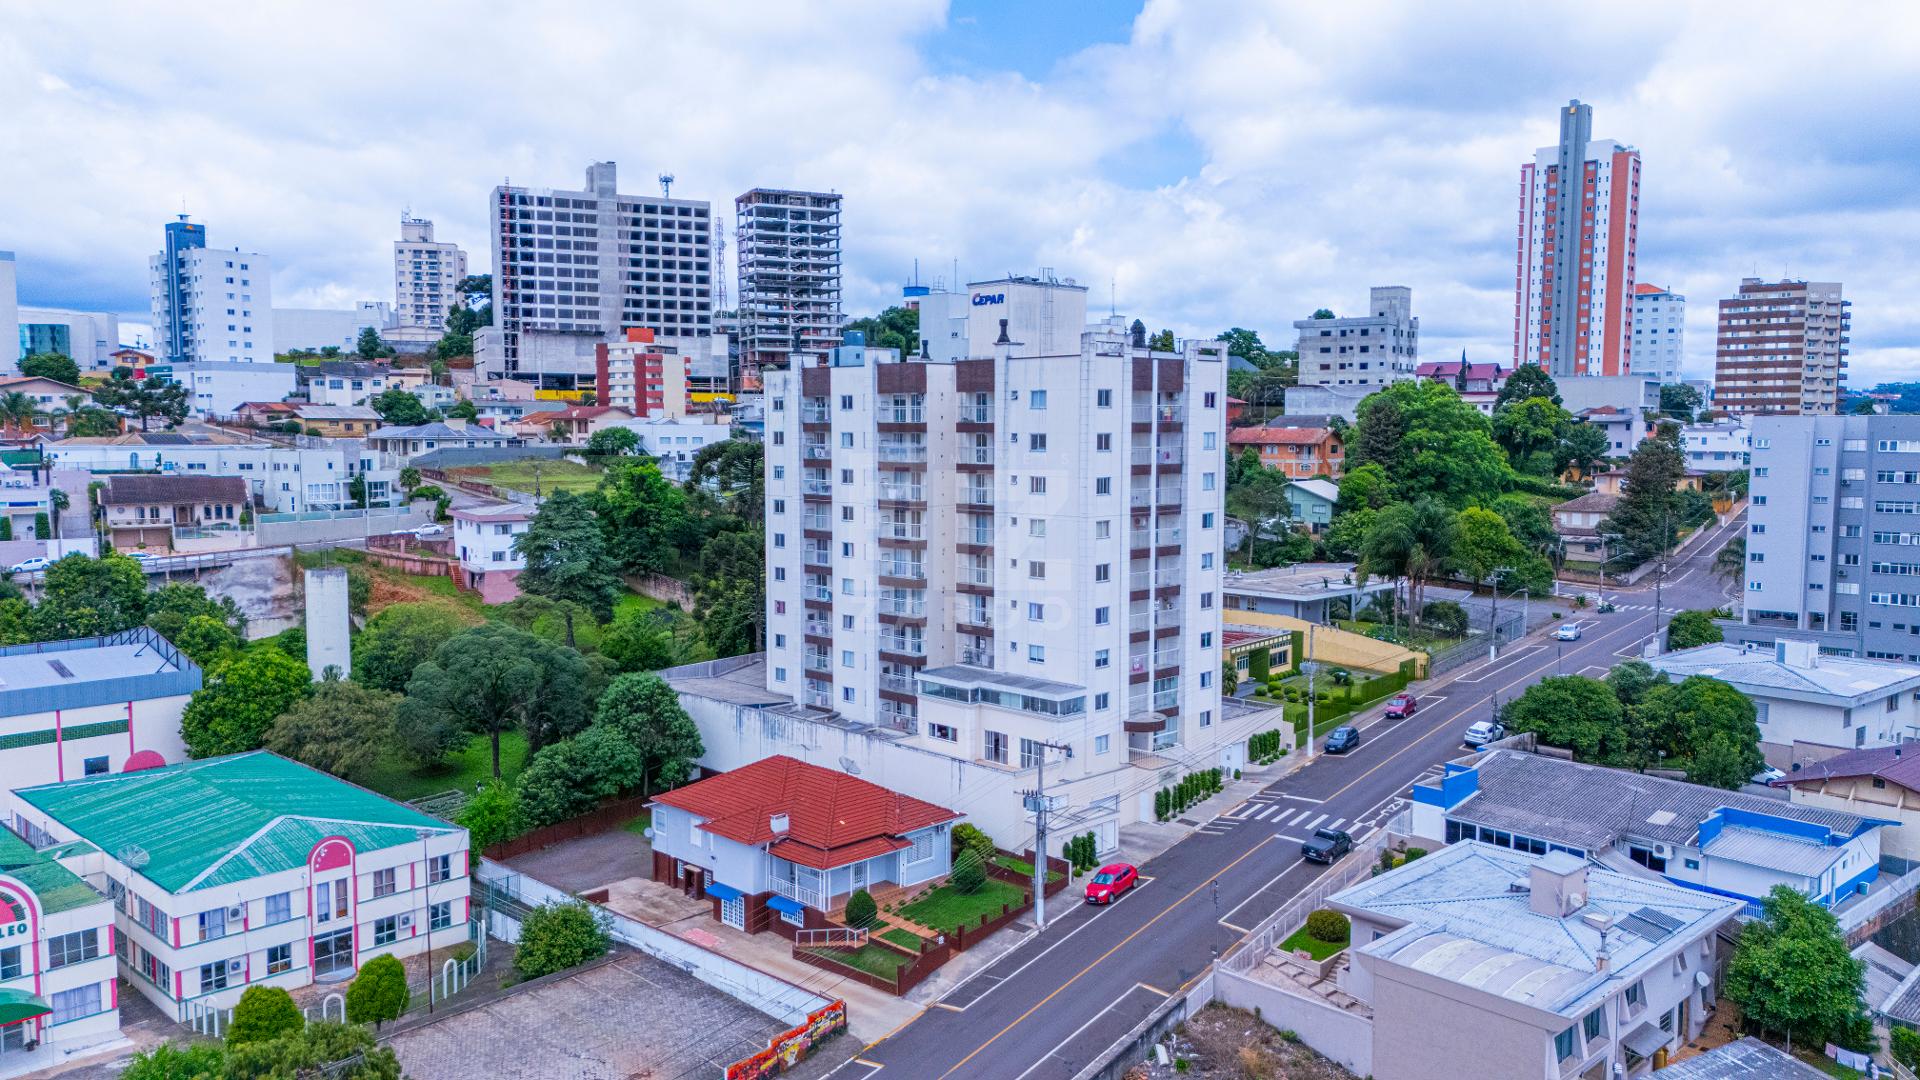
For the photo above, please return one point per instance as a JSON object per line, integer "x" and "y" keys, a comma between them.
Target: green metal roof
{"x": 58, "y": 888}
{"x": 18, "y": 1005}
{"x": 221, "y": 820}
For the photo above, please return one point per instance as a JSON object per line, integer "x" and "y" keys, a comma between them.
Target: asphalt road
{"x": 1048, "y": 1008}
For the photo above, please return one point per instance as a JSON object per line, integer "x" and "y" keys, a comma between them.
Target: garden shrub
{"x": 1328, "y": 926}
{"x": 968, "y": 877}
{"x": 861, "y": 910}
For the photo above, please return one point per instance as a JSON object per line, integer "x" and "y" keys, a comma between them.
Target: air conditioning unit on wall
{"x": 236, "y": 966}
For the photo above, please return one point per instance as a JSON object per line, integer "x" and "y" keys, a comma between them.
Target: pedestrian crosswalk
{"x": 1280, "y": 816}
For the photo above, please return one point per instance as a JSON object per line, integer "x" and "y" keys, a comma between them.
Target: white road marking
{"x": 1283, "y": 873}
{"x": 1316, "y": 822}
{"x": 1302, "y": 816}
{"x": 1264, "y": 811}
{"x": 1076, "y": 1031}
{"x": 1303, "y": 798}
{"x": 1335, "y": 823}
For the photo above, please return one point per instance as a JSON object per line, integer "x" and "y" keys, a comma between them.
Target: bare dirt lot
{"x": 1223, "y": 1043}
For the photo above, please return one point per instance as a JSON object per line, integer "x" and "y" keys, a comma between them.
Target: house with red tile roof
{"x": 777, "y": 844}
{"x": 1300, "y": 452}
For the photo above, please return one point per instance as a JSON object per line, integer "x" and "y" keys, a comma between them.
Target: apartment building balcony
{"x": 815, "y": 414}
{"x": 1167, "y": 499}
{"x": 818, "y": 661}
{"x": 912, "y": 605}
{"x": 818, "y": 628}
{"x": 903, "y": 530}
{"x": 898, "y": 684}
{"x": 900, "y": 717}
{"x": 903, "y": 645}
{"x": 972, "y": 539}
{"x": 1160, "y": 578}
{"x": 976, "y": 622}
{"x": 1146, "y": 416}
{"x": 974, "y": 578}
{"x": 975, "y": 414}
{"x": 972, "y": 458}
{"x": 817, "y": 699}
{"x": 903, "y": 493}
{"x": 817, "y": 594}
{"x": 815, "y": 451}
{"x": 816, "y": 489}
{"x": 975, "y": 497}
{"x": 1141, "y": 721}
{"x": 1164, "y": 536}
{"x": 980, "y": 658}
{"x": 900, "y": 414}
{"x": 820, "y": 524}
{"x": 901, "y": 451}
{"x": 817, "y": 555}
{"x": 913, "y": 573}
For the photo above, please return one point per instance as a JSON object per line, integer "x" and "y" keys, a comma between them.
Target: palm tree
{"x": 62, "y": 415}
{"x": 1731, "y": 563}
{"x": 18, "y": 411}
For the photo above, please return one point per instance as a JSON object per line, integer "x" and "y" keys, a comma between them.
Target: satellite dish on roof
{"x": 851, "y": 766}
{"x": 134, "y": 856}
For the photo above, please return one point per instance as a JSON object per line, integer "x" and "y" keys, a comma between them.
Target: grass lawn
{"x": 905, "y": 938}
{"x": 1316, "y": 948}
{"x": 872, "y": 959}
{"x": 636, "y": 604}
{"x": 638, "y": 825}
{"x": 397, "y": 778}
{"x": 946, "y": 909}
{"x": 555, "y": 475}
{"x": 1022, "y": 867}
{"x": 1829, "y": 1066}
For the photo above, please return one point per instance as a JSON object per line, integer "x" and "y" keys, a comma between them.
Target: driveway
{"x": 589, "y": 862}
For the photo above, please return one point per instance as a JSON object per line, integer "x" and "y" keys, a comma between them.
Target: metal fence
{"x": 1511, "y": 628}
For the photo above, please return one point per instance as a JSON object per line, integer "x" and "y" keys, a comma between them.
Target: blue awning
{"x": 724, "y": 892}
{"x": 782, "y": 903}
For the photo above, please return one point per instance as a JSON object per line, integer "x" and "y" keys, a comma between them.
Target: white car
{"x": 28, "y": 566}
{"x": 1568, "y": 632}
{"x": 139, "y": 556}
{"x": 429, "y": 529}
{"x": 1484, "y": 732}
{"x": 1768, "y": 775}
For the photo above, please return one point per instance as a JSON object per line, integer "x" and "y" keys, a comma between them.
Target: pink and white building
{"x": 1574, "y": 282}
{"x": 247, "y": 870}
{"x": 483, "y": 538}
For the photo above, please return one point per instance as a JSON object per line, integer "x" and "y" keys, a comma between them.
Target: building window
{"x": 1103, "y": 485}
{"x": 1102, "y": 658}
{"x": 94, "y": 766}
{"x": 1563, "y": 1045}
{"x": 213, "y": 976}
{"x": 1592, "y": 1023}
{"x": 439, "y": 868}
{"x": 943, "y": 732}
{"x": 440, "y": 915}
{"x": 995, "y": 749}
{"x": 1102, "y": 616}
{"x": 1101, "y": 743}
{"x": 213, "y": 924}
{"x": 279, "y": 958}
{"x": 1037, "y": 485}
{"x": 74, "y": 1004}
{"x": 1101, "y": 701}
{"x": 386, "y": 931}
{"x": 1037, "y": 400}
{"x": 1037, "y": 654}
{"x": 1103, "y": 399}
{"x": 74, "y": 948}
{"x": 383, "y": 883}
{"x": 10, "y": 963}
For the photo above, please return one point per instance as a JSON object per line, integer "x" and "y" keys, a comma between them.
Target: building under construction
{"x": 788, "y": 245}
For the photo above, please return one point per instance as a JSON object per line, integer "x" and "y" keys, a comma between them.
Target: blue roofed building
{"x": 1726, "y": 843}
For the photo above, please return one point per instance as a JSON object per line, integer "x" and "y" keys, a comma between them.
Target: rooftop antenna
{"x": 666, "y": 185}
{"x": 1113, "y": 294}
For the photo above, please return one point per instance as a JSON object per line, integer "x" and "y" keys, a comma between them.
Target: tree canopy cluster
{"x": 1637, "y": 718}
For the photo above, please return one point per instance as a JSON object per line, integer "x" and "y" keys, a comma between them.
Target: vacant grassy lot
{"x": 555, "y": 475}
{"x": 398, "y": 778}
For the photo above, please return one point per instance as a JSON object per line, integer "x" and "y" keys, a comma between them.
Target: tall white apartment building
{"x": 573, "y": 269}
{"x": 1004, "y": 551}
{"x": 1371, "y": 350}
{"x": 788, "y": 247}
{"x": 210, "y": 303}
{"x": 425, "y": 272}
{"x": 1579, "y": 220}
{"x": 1659, "y": 332}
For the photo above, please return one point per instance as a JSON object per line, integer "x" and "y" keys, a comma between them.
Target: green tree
{"x": 1527, "y": 381}
{"x": 1365, "y": 488}
{"x": 409, "y": 479}
{"x": 1430, "y": 442}
{"x": 1530, "y": 431}
{"x": 242, "y": 697}
{"x": 84, "y": 597}
{"x": 207, "y": 640}
{"x": 401, "y": 408}
{"x": 613, "y": 441}
{"x": 1162, "y": 342}
{"x": 379, "y": 992}
{"x": 492, "y": 816}
{"x": 644, "y": 515}
{"x": 1647, "y": 517}
{"x": 730, "y": 591}
{"x": 463, "y": 410}
{"x": 1679, "y": 401}
{"x": 733, "y": 472}
{"x": 177, "y": 1061}
{"x": 344, "y": 728}
{"x": 370, "y": 346}
{"x": 1482, "y": 544}
{"x": 1346, "y": 535}
{"x": 56, "y": 366}
{"x": 1685, "y": 717}
{"x": 1584, "y": 447}
{"x": 489, "y": 680}
{"x": 565, "y": 551}
{"x": 971, "y": 844}
{"x": 861, "y": 911}
{"x": 894, "y": 328}
{"x": 263, "y": 1013}
{"x": 171, "y": 606}
{"x": 647, "y": 713}
{"x": 144, "y": 398}
{"x": 1633, "y": 680}
{"x": 1692, "y": 628}
{"x": 92, "y": 423}
{"x": 555, "y": 937}
{"x": 1570, "y": 711}
{"x": 569, "y": 778}
{"x": 1322, "y": 313}
{"x": 399, "y": 639}
{"x": 650, "y": 639}
{"x": 1731, "y": 560}
{"x": 336, "y": 1051}
{"x": 1792, "y": 973}
{"x": 1412, "y": 542}
{"x": 968, "y": 877}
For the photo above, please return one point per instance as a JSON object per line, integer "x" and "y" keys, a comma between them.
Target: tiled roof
{"x": 1894, "y": 764}
{"x": 1591, "y": 502}
{"x": 220, "y": 820}
{"x": 174, "y": 488}
{"x": 434, "y": 430}
{"x": 1268, "y": 436}
{"x": 835, "y": 815}
{"x": 1590, "y": 806}
{"x": 337, "y": 412}
{"x": 1468, "y": 923}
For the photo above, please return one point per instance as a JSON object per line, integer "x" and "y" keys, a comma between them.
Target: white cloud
{"x": 1333, "y": 146}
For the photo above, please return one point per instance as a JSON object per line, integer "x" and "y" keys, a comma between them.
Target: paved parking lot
{"x": 630, "y": 1018}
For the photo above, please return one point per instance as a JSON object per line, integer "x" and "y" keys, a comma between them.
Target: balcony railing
{"x": 976, "y": 616}
{"x": 974, "y": 536}
{"x": 817, "y": 522}
{"x": 902, "y": 605}
{"x": 1166, "y": 699}
{"x": 976, "y": 575}
{"x": 902, "y": 530}
{"x": 817, "y": 487}
{"x": 819, "y": 661}
{"x": 813, "y": 414}
{"x": 819, "y": 701}
{"x": 1161, "y": 537}
{"x": 899, "y": 717}
{"x": 817, "y": 556}
{"x": 976, "y": 414}
{"x": 1164, "y": 455}
{"x": 816, "y": 451}
{"x": 916, "y": 571}
{"x": 899, "y": 684}
{"x": 982, "y": 658}
{"x": 1162, "y": 414}
{"x": 909, "y": 646}
{"x": 975, "y": 455}
{"x": 976, "y": 496}
{"x": 903, "y": 492}
{"x": 903, "y": 451}
{"x": 901, "y": 414}
{"x": 817, "y": 628}
{"x": 1165, "y": 577}
{"x": 817, "y": 592}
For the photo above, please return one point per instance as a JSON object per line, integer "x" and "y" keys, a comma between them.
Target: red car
{"x": 1401, "y": 706}
{"x": 1112, "y": 880}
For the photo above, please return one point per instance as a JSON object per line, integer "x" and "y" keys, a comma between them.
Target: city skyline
{"x": 1268, "y": 172}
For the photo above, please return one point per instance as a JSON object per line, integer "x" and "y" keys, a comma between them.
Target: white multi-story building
{"x": 89, "y": 337}
{"x": 209, "y": 303}
{"x": 673, "y": 443}
{"x": 1659, "y": 332}
{"x": 483, "y": 537}
{"x": 1719, "y": 446}
{"x": 1014, "y": 549}
{"x": 425, "y": 274}
{"x": 217, "y": 388}
{"x": 1368, "y": 351}
{"x": 573, "y": 268}
{"x": 788, "y": 246}
{"x": 1573, "y": 301}
{"x": 252, "y": 870}
{"x": 283, "y": 479}
{"x": 313, "y": 329}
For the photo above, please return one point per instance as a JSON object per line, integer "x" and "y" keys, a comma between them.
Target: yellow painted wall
{"x": 575, "y": 396}
{"x": 1334, "y": 646}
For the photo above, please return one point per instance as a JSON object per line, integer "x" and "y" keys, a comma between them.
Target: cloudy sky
{"x": 1210, "y": 162}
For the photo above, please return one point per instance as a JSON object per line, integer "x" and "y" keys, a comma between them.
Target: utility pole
{"x": 1038, "y": 801}
{"x": 1666, "y": 524}
{"x": 1493, "y": 649}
